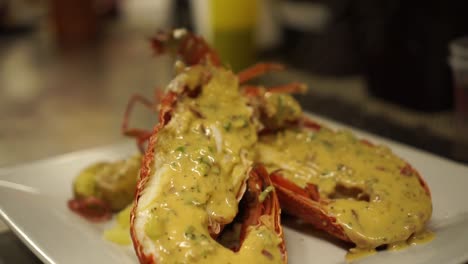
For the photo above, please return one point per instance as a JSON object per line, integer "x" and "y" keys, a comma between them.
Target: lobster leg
{"x": 257, "y": 70}
{"x": 290, "y": 88}
{"x": 141, "y": 135}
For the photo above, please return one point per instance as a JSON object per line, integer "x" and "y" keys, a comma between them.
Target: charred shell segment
{"x": 360, "y": 185}
{"x": 195, "y": 173}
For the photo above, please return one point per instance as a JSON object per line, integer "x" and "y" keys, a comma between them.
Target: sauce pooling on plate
{"x": 375, "y": 196}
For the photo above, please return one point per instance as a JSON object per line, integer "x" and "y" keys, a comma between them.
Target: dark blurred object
{"x": 404, "y": 47}
{"x": 14, "y": 251}
{"x": 74, "y": 22}
{"x": 182, "y": 15}
{"x": 459, "y": 64}
{"x": 319, "y": 36}
{"x": 107, "y": 8}
{"x": 3, "y": 12}
{"x": 400, "y": 46}
{"x": 19, "y": 16}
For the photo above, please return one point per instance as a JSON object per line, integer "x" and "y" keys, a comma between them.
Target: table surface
{"x": 54, "y": 101}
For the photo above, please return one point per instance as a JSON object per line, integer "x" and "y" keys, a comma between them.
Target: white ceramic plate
{"x": 33, "y": 203}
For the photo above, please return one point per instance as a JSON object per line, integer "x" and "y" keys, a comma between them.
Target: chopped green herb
{"x": 204, "y": 166}
{"x": 215, "y": 169}
{"x": 205, "y": 160}
{"x": 180, "y": 149}
{"x": 189, "y": 233}
{"x": 239, "y": 121}
{"x": 265, "y": 193}
{"x": 227, "y": 126}
{"x": 211, "y": 149}
{"x": 174, "y": 165}
{"x": 327, "y": 144}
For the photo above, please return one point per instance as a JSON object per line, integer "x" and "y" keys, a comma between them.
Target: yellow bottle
{"x": 233, "y": 31}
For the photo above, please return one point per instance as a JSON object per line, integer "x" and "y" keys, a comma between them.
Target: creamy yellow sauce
{"x": 120, "y": 232}
{"x": 113, "y": 182}
{"x": 278, "y": 109}
{"x": 202, "y": 157}
{"x": 416, "y": 239}
{"x": 419, "y": 238}
{"x": 357, "y": 253}
{"x": 84, "y": 184}
{"x": 371, "y": 199}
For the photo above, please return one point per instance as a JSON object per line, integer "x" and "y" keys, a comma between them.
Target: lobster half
{"x": 197, "y": 166}
{"x": 356, "y": 191}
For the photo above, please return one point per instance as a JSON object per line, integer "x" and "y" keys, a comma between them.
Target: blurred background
{"x": 390, "y": 67}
